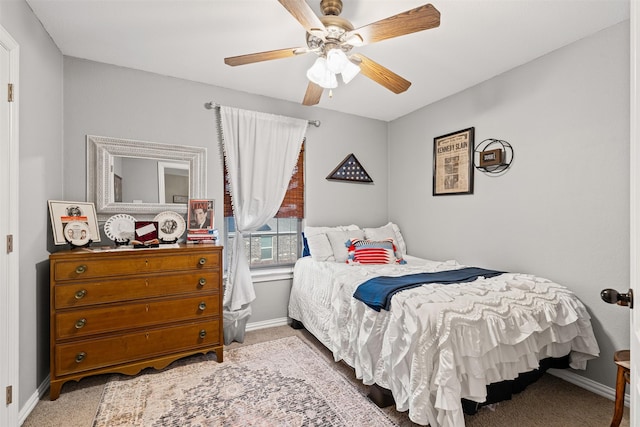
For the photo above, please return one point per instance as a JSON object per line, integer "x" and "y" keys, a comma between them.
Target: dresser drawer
{"x": 152, "y": 262}
{"x": 90, "y": 321}
{"x": 81, "y": 293}
{"x": 91, "y": 354}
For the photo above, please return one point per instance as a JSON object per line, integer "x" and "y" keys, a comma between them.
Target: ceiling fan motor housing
{"x": 331, "y": 7}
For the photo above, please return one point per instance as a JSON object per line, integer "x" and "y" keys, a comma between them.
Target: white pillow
{"x": 389, "y": 231}
{"x": 401, "y": 244}
{"x": 319, "y": 247}
{"x": 338, "y": 241}
{"x": 318, "y": 242}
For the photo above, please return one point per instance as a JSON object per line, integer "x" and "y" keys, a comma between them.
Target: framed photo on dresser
{"x": 201, "y": 214}
{"x": 69, "y": 219}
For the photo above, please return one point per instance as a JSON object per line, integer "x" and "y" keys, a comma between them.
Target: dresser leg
{"x": 54, "y": 389}
{"x": 219, "y": 356}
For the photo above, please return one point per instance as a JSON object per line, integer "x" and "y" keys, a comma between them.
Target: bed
{"x": 436, "y": 345}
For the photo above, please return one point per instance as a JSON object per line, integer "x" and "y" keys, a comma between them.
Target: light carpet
{"x": 276, "y": 383}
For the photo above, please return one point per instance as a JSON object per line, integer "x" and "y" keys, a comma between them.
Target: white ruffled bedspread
{"x": 440, "y": 343}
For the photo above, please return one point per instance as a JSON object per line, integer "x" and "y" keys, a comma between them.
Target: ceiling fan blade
{"x": 264, "y": 56}
{"x": 421, "y": 18}
{"x": 305, "y": 16}
{"x": 313, "y": 94}
{"x": 381, "y": 75}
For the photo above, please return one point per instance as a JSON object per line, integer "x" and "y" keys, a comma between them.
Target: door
{"x": 8, "y": 227}
{"x": 634, "y": 196}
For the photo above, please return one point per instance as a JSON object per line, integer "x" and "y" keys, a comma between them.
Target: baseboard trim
{"x": 33, "y": 400}
{"x": 272, "y": 323}
{"x": 587, "y": 384}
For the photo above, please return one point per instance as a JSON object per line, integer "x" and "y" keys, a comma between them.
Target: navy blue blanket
{"x": 377, "y": 292}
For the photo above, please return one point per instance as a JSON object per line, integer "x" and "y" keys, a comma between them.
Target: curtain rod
{"x": 211, "y": 105}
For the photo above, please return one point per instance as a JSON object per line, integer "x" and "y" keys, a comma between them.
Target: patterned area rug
{"x": 276, "y": 383}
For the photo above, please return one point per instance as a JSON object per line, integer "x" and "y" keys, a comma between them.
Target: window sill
{"x": 272, "y": 274}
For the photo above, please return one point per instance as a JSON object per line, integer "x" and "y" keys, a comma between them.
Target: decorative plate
{"x": 77, "y": 233}
{"x": 171, "y": 225}
{"x": 120, "y": 227}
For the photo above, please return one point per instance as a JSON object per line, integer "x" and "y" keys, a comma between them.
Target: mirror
{"x": 143, "y": 178}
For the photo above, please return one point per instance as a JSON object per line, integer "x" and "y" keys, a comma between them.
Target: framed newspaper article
{"x": 453, "y": 163}
{"x": 73, "y": 222}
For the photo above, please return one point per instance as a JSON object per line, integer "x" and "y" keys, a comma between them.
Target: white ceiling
{"x": 187, "y": 39}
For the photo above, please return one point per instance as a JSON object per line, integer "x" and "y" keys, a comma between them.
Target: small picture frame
{"x": 180, "y": 199}
{"x": 69, "y": 219}
{"x": 117, "y": 188}
{"x": 201, "y": 214}
{"x": 453, "y": 163}
{"x": 146, "y": 234}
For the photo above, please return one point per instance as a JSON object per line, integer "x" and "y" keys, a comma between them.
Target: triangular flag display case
{"x": 350, "y": 170}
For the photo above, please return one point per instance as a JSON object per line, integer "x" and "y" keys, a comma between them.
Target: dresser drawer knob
{"x": 80, "y": 356}
{"x": 202, "y": 282}
{"x": 202, "y": 306}
{"x": 80, "y": 323}
{"x": 202, "y": 333}
{"x": 81, "y": 269}
{"x": 81, "y": 294}
{"x": 202, "y": 261}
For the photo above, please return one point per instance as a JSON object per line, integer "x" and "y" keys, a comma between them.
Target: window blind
{"x": 293, "y": 204}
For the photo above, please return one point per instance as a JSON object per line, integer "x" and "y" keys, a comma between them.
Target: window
{"x": 266, "y": 247}
{"x": 278, "y": 242}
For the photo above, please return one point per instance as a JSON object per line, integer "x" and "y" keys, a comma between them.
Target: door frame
{"x": 634, "y": 155}
{"x": 9, "y": 323}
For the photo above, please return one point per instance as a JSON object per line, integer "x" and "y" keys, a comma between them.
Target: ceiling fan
{"x": 332, "y": 38}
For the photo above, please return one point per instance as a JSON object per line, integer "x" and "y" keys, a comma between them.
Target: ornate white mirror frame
{"x": 101, "y": 152}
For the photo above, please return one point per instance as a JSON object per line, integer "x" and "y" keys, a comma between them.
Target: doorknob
{"x": 614, "y": 297}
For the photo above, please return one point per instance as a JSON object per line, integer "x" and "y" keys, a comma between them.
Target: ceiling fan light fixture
{"x": 336, "y": 60}
{"x": 320, "y": 74}
{"x": 349, "y": 72}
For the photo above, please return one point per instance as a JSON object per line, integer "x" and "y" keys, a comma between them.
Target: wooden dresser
{"x": 123, "y": 311}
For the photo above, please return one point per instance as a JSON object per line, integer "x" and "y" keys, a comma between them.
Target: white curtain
{"x": 261, "y": 151}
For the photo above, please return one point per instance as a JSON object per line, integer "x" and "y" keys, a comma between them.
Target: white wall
{"x": 41, "y": 151}
{"x": 562, "y": 210}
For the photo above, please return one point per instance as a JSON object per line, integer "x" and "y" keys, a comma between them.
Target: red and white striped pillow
{"x": 372, "y": 252}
